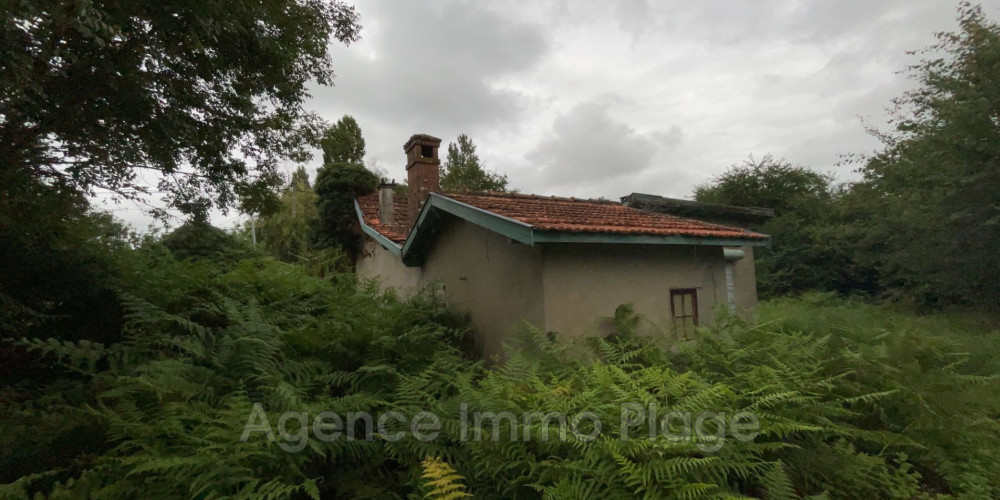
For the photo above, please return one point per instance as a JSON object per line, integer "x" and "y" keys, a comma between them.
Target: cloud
{"x": 591, "y": 97}
{"x": 587, "y": 145}
{"x": 430, "y": 68}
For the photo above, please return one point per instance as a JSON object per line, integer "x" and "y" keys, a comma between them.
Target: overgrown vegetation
{"x": 853, "y": 400}
{"x": 207, "y": 97}
{"x": 193, "y": 364}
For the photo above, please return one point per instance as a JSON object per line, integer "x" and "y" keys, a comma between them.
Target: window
{"x": 684, "y": 310}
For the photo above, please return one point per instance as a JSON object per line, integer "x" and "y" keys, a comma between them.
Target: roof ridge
{"x": 531, "y": 196}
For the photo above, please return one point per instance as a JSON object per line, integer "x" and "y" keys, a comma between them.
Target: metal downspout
{"x": 732, "y": 255}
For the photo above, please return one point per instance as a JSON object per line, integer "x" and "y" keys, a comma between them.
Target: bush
{"x": 853, "y": 400}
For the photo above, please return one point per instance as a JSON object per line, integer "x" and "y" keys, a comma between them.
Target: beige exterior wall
{"x": 584, "y": 284}
{"x": 378, "y": 263}
{"x": 568, "y": 288}
{"x": 496, "y": 281}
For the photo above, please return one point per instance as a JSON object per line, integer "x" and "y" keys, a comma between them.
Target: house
{"x": 730, "y": 215}
{"x": 561, "y": 264}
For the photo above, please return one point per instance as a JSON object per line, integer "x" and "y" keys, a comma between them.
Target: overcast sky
{"x": 599, "y": 98}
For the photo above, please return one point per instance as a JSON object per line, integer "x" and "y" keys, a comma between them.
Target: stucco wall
{"x": 567, "y": 288}
{"x": 585, "y": 283}
{"x": 376, "y": 262}
{"x": 496, "y": 281}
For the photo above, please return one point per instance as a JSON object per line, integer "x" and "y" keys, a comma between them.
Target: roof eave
{"x": 645, "y": 239}
{"x": 425, "y": 228}
{"x": 382, "y": 239}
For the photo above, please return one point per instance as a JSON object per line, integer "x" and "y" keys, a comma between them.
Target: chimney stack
{"x": 385, "y": 206}
{"x": 422, "y": 175}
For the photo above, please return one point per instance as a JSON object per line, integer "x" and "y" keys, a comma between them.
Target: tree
{"x": 811, "y": 244}
{"x": 934, "y": 188}
{"x": 287, "y": 233}
{"x": 337, "y": 186}
{"x": 462, "y": 170}
{"x": 199, "y": 240}
{"x": 343, "y": 143}
{"x": 769, "y": 183}
{"x": 205, "y": 95}
{"x": 60, "y": 272}
{"x": 342, "y": 178}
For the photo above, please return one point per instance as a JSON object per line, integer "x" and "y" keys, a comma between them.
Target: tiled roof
{"x": 595, "y": 216}
{"x": 397, "y": 229}
{"x": 549, "y": 213}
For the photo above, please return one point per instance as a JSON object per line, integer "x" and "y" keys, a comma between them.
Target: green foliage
{"x": 59, "y": 262}
{"x": 853, "y": 400}
{"x": 924, "y": 223}
{"x": 939, "y": 376}
{"x": 933, "y": 192}
{"x": 161, "y": 411}
{"x": 342, "y": 142}
{"x": 337, "y": 186}
{"x": 814, "y": 238}
{"x": 769, "y": 183}
{"x": 461, "y": 170}
{"x": 209, "y": 94}
{"x": 200, "y": 240}
{"x": 287, "y": 234}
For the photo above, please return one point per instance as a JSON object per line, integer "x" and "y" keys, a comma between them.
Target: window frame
{"x": 679, "y": 319}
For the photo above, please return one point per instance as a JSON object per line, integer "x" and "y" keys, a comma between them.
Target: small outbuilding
{"x": 561, "y": 264}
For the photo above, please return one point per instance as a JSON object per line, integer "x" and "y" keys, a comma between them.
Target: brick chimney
{"x": 422, "y": 176}
{"x": 385, "y": 206}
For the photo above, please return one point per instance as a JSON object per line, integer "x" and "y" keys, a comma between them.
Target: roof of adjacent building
{"x": 549, "y": 214}
{"x": 697, "y": 209}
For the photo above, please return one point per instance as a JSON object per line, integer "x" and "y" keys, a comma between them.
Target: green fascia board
{"x": 425, "y": 228}
{"x": 379, "y": 237}
{"x": 643, "y": 239}
{"x": 511, "y": 228}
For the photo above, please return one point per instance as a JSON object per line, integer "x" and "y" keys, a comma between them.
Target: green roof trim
{"x": 436, "y": 206}
{"x": 643, "y": 239}
{"x": 433, "y": 212}
{"x": 379, "y": 237}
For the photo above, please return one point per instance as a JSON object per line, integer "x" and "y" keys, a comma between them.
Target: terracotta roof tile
{"x": 550, "y": 213}
{"x": 397, "y": 229}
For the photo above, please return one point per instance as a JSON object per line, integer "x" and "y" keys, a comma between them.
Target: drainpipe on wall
{"x": 732, "y": 255}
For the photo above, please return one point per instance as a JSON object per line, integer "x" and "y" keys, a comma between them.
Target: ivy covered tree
{"x": 342, "y": 178}
{"x": 462, "y": 170}
{"x": 206, "y": 96}
{"x": 342, "y": 142}
{"x": 933, "y": 191}
{"x": 337, "y": 186}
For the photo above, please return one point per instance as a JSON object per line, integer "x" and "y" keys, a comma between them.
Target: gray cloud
{"x": 586, "y": 145}
{"x": 590, "y": 97}
{"x": 430, "y": 68}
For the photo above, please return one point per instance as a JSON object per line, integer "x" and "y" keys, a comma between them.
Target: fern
{"x": 442, "y": 481}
